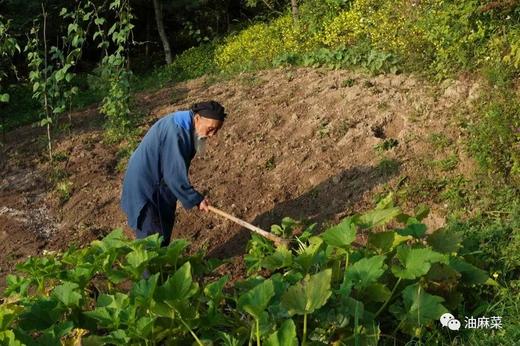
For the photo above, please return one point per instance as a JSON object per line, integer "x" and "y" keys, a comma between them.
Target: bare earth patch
{"x": 297, "y": 143}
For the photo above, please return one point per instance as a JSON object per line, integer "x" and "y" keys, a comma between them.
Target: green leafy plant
{"x": 114, "y": 72}
{"x": 51, "y": 69}
{"x": 325, "y": 288}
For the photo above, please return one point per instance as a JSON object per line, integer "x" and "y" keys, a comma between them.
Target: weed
{"x": 64, "y": 190}
{"x": 368, "y": 84}
{"x": 385, "y": 145}
{"x": 270, "y": 164}
{"x": 388, "y": 167}
{"x": 61, "y": 156}
{"x": 324, "y": 129}
{"x": 124, "y": 153}
{"x": 58, "y": 174}
{"x": 383, "y": 105}
{"x": 343, "y": 127}
{"x": 348, "y": 83}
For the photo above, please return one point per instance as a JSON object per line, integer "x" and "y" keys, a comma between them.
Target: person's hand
{"x": 204, "y": 205}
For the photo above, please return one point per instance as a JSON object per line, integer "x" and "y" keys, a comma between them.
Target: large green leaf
{"x": 144, "y": 326}
{"x": 256, "y": 300}
{"x": 445, "y": 241}
{"x": 81, "y": 274}
{"x": 114, "y": 240}
{"x": 386, "y": 202}
{"x": 281, "y": 258}
{"x": 341, "y": 235}
{"x": 214, "y": 289}
{"x": 41, "y": 314}
{"x": 8, "y": 314}
{"x": 415, "y": 229}
{"x": 285, "y": 336}
{"x": 308, "y": 254}
{"x": 53, "y": 335}
{"x": 8, "y": 338}
{"x": 117, "y": 276}
{"x": 471, "y": 275}
{"x": 139, "y": 257}
{"x": 308, "y": 295}
{"x": 420, "y": 306}
{"x": 68, "y": 293}
{"x": 142, "y": 291}
{"x": 178, "y": 287}
{"x": 174, "y": 250}
{"x": 111, "y": 309}
{"x": 365, "y": 271}
{"x": 376, "y": 292}
{"x": 386, "y": 241}
{"x": 117, "y": 337}
{"x": 445, "y": 277}
{"x": 377, "y": 217}
{"x": 416, "y": 262}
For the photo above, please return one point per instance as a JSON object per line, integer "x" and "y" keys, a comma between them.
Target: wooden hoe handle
{"x": 270, "y": 236}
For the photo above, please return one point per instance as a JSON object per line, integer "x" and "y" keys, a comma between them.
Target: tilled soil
{"x": 298, "y": 143}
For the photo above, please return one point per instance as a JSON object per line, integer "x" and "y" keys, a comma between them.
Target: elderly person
{"x": 157, "y": 172}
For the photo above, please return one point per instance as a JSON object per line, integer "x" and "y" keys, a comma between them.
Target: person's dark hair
{"x": 209, "y": 109}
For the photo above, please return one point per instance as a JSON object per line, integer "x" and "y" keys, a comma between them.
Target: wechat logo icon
{"x": 448, "y": 320}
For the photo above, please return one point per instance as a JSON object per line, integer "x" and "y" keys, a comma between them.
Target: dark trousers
{"x": 157, "y": 216}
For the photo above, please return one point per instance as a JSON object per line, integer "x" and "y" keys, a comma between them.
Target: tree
{"x": 157, "y": 5}
{"x": 294, "y": 7}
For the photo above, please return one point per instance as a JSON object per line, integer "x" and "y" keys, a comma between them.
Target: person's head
{"x": 208, "y": 118}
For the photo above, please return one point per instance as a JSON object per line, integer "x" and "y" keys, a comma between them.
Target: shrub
{"x": 455, "y": 31}
{"x": 345, "y": 29}
{"x": 260, "y": 43}
{"x": 193, "y": 63}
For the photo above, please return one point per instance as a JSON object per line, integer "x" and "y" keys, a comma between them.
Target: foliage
{"x": 434, "y": 37}
{"x": 192, "y": 63}
{"x": 491, "y": 241}
{"x": 455, "y": 33}
{"x": 114, "y": 73}
{"x": 323, "y": 290}
{"x": 22, "y": 109}
{"x": 345, "y": 57}
{"x": 259, "y": 44}
{"x": 494, "y": 137}
{"x": 8, "y": 47}
{"x": 51, "y": 68}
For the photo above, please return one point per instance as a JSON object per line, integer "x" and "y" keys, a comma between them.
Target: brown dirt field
{"x": 297, "y": 142}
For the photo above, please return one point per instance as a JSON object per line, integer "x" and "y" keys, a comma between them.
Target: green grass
{"x": 439, "y": 140}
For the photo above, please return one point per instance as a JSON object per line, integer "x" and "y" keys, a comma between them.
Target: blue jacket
{"x": 163, "y": 157}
